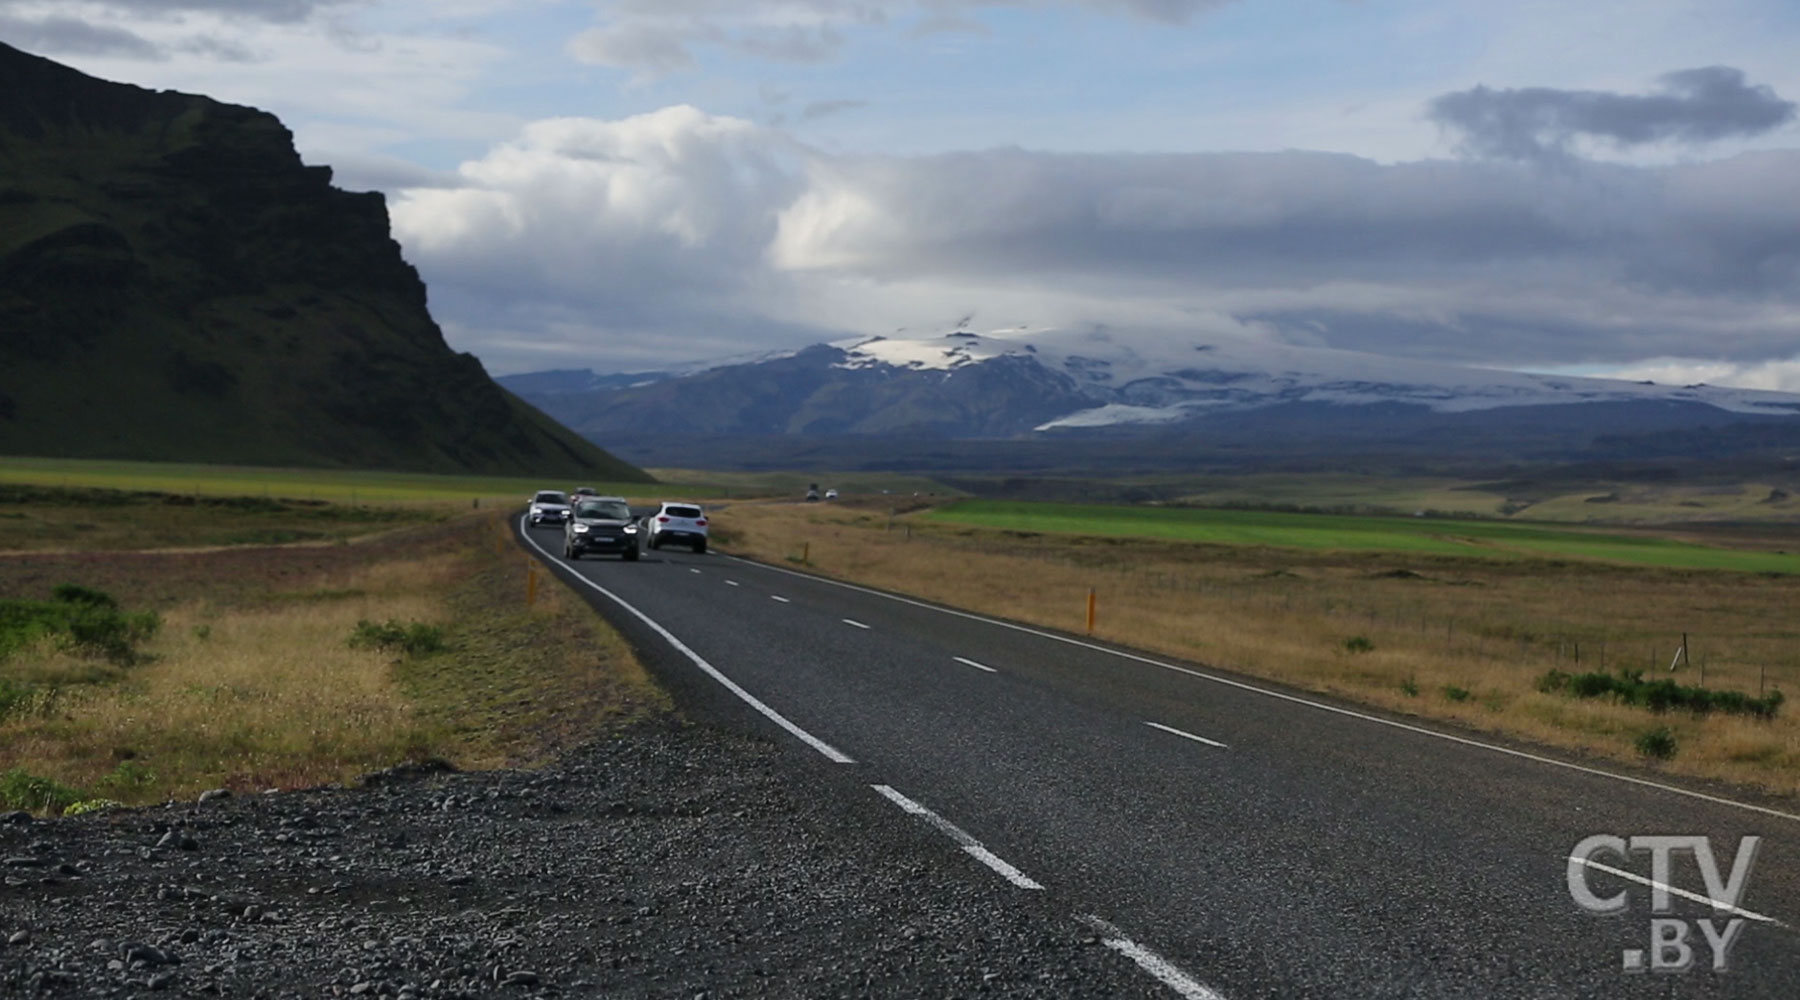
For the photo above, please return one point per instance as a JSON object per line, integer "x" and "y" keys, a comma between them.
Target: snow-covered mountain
{"x": 1162, "y": 380}
{"x": 1012, "y": 384}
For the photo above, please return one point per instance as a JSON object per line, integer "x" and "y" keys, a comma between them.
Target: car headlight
{"x": 631, "y": 529}
{"x": 579, "y": 528}
{"x": 535, "y": 511}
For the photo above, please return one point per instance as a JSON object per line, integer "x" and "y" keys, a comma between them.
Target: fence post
{"x": 806, "y": 553}
{"x": 530, "y": 584}
{"x": 1090, "y": 611}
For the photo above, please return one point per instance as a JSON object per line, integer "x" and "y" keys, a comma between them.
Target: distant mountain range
{"x": 176, "y": 285}
{"x": 1115, "y": 396}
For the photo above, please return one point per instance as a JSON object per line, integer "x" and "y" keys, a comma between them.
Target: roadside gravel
{"x": 662, "y": 862}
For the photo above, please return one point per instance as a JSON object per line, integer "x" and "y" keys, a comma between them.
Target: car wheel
{"x": 700, "y": 545}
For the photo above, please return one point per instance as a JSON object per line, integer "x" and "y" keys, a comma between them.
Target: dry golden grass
{"x": 1490, "y": 629}
{"x": 262, "y": 689}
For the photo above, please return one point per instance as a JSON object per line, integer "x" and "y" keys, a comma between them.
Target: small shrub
{"x": 22, "y": 790}
{"x": 1657, "y": 744}
{"x": 127, "y": 776}
{"x": 203, "y": 632}
{"x": 1455, "y": 693}
{"x": 411, "y": 638}
{"x": 90, "y": 805}
{"x": 1410, "y": 687}
{"x": 75, "y": 593}
{"x": 1359, "y": 644}
{"x": 13, "y": 696}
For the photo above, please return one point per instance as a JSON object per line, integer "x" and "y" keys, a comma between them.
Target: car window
{"x": 674, "y": 510}
{"x": 550, "y": 496}
{"x": 612, "y": 510}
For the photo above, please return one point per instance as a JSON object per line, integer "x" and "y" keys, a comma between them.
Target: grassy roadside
{"x": 252, "y": 680}
{"x": 1464, "y": 640}
{"x": 341, "y": 486}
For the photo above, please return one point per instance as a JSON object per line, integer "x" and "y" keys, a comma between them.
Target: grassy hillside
{"x": 176, "y": 286}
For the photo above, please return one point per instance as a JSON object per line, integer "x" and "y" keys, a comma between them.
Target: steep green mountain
{"x": 176, "y": 285}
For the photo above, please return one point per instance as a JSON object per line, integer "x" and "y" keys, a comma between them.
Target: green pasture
{"x": 1421, "y": 535}
{"x": 334, "y": 485}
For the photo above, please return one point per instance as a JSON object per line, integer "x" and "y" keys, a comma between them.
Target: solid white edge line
{"x": 731, "y": 583}
{"x": 1165, "y": 971}
{"x": 778, "y": 597}
{"x": 692, "y": 570}
{"x": 1683, "y": 893}
{"x": 854, "y": 622}
{"x": 831, "y": 752}
{"x": 969, "y": 844}
{"x": 965, "y": 661}
{"x": 1189, "y": 736}
{"x": 1295, "y": 699}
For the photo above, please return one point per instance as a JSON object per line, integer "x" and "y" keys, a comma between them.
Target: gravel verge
{"x": 664, "y": 862}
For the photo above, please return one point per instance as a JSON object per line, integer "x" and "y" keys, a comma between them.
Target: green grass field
{"x": 335, "y": 485}
{"x": 1421, "y": 535}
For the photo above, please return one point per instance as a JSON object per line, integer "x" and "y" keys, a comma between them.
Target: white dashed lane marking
{"x": 971, "y": 663}
{"x": 969, "y": 844}
{"x": 1186, "y": 736}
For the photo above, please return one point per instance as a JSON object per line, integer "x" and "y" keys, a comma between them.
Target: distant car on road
{"x": 831, "y": 494}
{"x": 576, "y": 494}
{"x": 601, "y": 524}
{"x": 682, "y": 523}
{"x": 548, "y": 507}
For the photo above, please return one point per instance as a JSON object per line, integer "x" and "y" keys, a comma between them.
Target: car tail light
{"x": 663, "y": 519}
{"x": 701, "y": 522}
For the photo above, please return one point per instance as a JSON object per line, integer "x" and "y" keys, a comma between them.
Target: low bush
{"x": 411, "y": 638}
{"x": 1628, "y": 687}
{"x": 20, "y": 789}
{"x": 1359, "y": 644}
{"x": 80, "y": 619}
{"x": 1658, "y": 743}
{"x": 1455, "y": 693}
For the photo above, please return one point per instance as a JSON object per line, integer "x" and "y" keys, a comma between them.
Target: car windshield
{"x": 674, "y": 511}
{"x": 550, "y": 496}
{"x": 608, "y": 509}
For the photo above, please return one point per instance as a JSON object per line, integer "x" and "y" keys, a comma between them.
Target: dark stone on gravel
{"x": 18, "y": 817}
{"x": 213, "y": 795}
{"x": 742, "y": 869}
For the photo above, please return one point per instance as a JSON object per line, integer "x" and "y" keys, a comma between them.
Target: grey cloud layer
{"x": 66, "y": 35}
{"x": 660, "y": 36}
{"x": 1693, "y": 105}
{"x": 680, "y": 224}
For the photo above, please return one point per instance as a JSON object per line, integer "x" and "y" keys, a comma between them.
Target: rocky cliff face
{"x": 175, "y": 284}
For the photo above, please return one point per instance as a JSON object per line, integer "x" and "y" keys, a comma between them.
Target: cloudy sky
{"x": 1609, "y": 186}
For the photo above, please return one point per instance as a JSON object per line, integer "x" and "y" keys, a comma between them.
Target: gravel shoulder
{"x": 662, "y": 861}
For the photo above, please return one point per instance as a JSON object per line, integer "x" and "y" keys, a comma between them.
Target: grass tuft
{"x": 1657, "y": 744}
{"x": 1359, "y": 644}
{"x": 411, "y": 638}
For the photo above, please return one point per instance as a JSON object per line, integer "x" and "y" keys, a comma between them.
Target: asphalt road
{"x": 1231, "y": 837}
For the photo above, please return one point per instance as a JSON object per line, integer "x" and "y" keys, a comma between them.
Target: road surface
{"x": 1230, "y": 837}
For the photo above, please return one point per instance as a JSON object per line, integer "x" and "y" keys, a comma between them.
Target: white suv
{"x": 549, "y": 507}
{"x": 678, "y": 522}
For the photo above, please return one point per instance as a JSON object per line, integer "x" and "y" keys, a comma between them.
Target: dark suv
{"x": 601, "y": 524}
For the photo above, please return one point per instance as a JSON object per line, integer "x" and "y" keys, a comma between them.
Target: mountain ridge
{"x": 1152, "y": 390}
{"x": 175, "y": 284}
